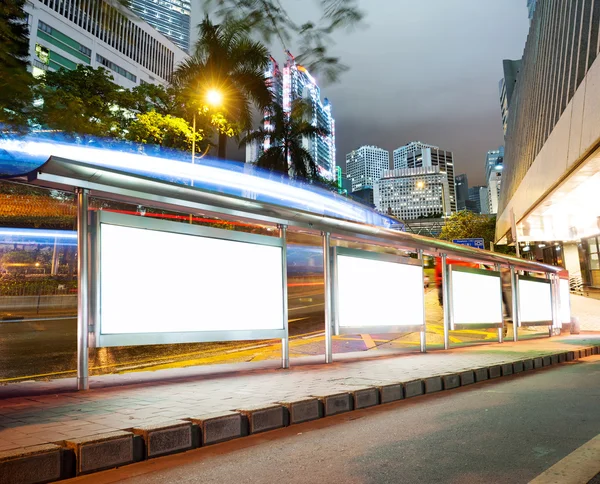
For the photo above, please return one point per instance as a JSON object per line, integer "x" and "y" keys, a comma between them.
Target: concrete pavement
{"x": 247, "y": 395}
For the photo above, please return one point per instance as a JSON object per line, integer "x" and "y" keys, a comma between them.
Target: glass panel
{"x": 594, "y": 263}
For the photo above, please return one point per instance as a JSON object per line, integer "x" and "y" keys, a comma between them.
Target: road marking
{"x": 369, "y": 343}
{"x": 579, "y": 467}
{"x": 298, "y": 319}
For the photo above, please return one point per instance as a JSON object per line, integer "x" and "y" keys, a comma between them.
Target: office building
{"x": 478, "y": 198}
{"x": 462, "y": 191}
{"x": 551, "y": 176}
{"x": 506, "y": 87}
{"x": 169, "y": 17}
{"x": 494, "y": 186}
{"x": 413, "y": 193}
{"x": 402, "y": 154}
{"x": 421, "y": 155}
{"x": 493, "y": 161}
{"x": 99, "y": 34}
{"x": 297, "y": 83}
{"x": 531, "y": 4}
{"x": 365, "y": 165}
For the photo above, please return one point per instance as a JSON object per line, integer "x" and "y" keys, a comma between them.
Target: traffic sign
{"x": 476, "y": 243}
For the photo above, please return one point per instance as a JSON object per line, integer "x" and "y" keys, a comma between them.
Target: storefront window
{"x": 593, "y": 261}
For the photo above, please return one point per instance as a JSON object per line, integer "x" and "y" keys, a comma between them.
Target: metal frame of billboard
{"x": 471, "y": 270}
{"x": 362, "y": 254}
{"x": 130, "y": 339}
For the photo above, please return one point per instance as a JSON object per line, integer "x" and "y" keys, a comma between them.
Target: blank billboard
{"x": 535, "y": 301}
{"x": 376, "y": 293}
{"x": 476, "y": 296}
{"x": 154, "y": 281}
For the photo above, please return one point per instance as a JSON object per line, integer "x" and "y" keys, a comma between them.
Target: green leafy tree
{"x": 16, "y": 96}
{"x": 466, "y": 225}
{"x": 285, "y": 135}
{"x": 164, "y": 130}
{"x": 270, "y": 20}
{"x": 228, "y": 61}
{"x": 83, "y": 101}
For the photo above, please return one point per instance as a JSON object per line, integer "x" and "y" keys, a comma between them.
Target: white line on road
{"x": 35, "y": 319}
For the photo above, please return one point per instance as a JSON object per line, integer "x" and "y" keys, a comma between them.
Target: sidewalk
{"x": 34, "y": 413}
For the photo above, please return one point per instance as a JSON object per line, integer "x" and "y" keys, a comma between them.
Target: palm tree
{"x": 286, "y": 132}
{"x": 226, "y": 60}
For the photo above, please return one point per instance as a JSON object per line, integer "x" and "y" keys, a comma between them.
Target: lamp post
{"x": 214, "y": 98}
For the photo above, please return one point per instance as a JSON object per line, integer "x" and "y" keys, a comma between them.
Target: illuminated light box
{"x": 166, "y": 282}
{"x": 565, "y": 301}
{"x": 535, "y": 301}
{"x": 476, "y": 297}
{"x": 377, "y": 293}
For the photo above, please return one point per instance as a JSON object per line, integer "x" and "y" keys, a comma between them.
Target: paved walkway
{"x": 33, "y": 413}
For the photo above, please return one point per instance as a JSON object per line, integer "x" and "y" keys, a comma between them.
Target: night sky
{"x": 423, "y": 70}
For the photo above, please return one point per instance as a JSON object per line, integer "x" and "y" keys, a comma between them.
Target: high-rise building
{"x": 418, "y": 154}
{"x": 365, "y": 165}
{"x": 494, "y": 185}
{"x": 493, "y": 159}
{"x": 169, "y": 17}
{"x": 478, "y": 196}
{"x": 413, "y": 193}
{"x": 99, "y": 34}
{"x": 462, "y": 191}
{"x": 297, "y": 83}
{"x": 551, "y": 175}
{"x": 531, "y": 4}
{"x": 506, "y": 87}
{"x": 401, "y": 154}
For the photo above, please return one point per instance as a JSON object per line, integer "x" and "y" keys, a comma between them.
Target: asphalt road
{"x": 505, "y": 431}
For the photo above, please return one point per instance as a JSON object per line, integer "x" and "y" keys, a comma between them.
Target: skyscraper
{"x": 479, "y": 200}
{"x": 365, "y": 165}
{"x": 297, "y": 83}
{"x": 462, "y": 191}
{"x": 531, "y": 4}
{"x": 493, "y": 159}
{"x": 418, "y": 154}
{"x": 169, "y": 17}
{"x": 506, "y": 87}
{"x": 413, "y": 193}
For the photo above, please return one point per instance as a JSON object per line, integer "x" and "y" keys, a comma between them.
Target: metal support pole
{"x": 328, "y": 296}
{"x": 554, "y": 302}
{"x": 285, "y": 342}
{"x": 516, "y": 315}
{"x": 83, "y": 302}
{"x": 424, "y": 330}
{"x": 446, "y": 302}
{"x": 498, "y": 268}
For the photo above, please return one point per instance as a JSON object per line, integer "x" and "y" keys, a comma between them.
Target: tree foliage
{"x": 467, "y": 225}
{"x": 164, "y": 130}
{"x": 227, "y": 60}
{"x": 16, "y": 95}
{"x": 285, "y": 135}
{"x": 270, "y": 20}
{"x": 83, "y": 101}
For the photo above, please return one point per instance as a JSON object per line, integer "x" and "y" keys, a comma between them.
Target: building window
{"x": 114, "y": 67}
{"x": 42, "y": 53}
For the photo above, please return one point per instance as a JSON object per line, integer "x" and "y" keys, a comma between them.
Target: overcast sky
{"x": 423, "y": 70}
{"x": 426, "y": 70}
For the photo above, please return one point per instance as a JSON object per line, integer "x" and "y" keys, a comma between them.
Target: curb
{"x": 74, "y": 457}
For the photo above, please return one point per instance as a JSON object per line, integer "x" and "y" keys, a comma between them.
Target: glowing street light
{"x": 214, "y": 97}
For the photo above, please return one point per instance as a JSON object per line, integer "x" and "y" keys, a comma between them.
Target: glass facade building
{"x": 169, "y": 17}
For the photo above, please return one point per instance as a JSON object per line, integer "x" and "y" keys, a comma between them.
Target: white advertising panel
{"x": 376, "y": 293}
{"x": 565, "y": 301}
{"x": 155, "y": 281}
{"x": 476, "y": 297}
{"x": 535, "y": 301}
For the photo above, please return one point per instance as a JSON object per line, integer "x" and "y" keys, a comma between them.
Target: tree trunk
{"x": 222, "y": 153}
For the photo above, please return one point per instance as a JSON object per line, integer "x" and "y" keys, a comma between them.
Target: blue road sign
{"x": 476, "y": 243}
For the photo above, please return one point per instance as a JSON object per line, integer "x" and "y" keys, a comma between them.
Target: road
{"x": 504, "y": 431}
{"x": 45, "y": 347}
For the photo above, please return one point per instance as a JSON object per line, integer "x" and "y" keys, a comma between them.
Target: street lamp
{"x": 214, "y": 98}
